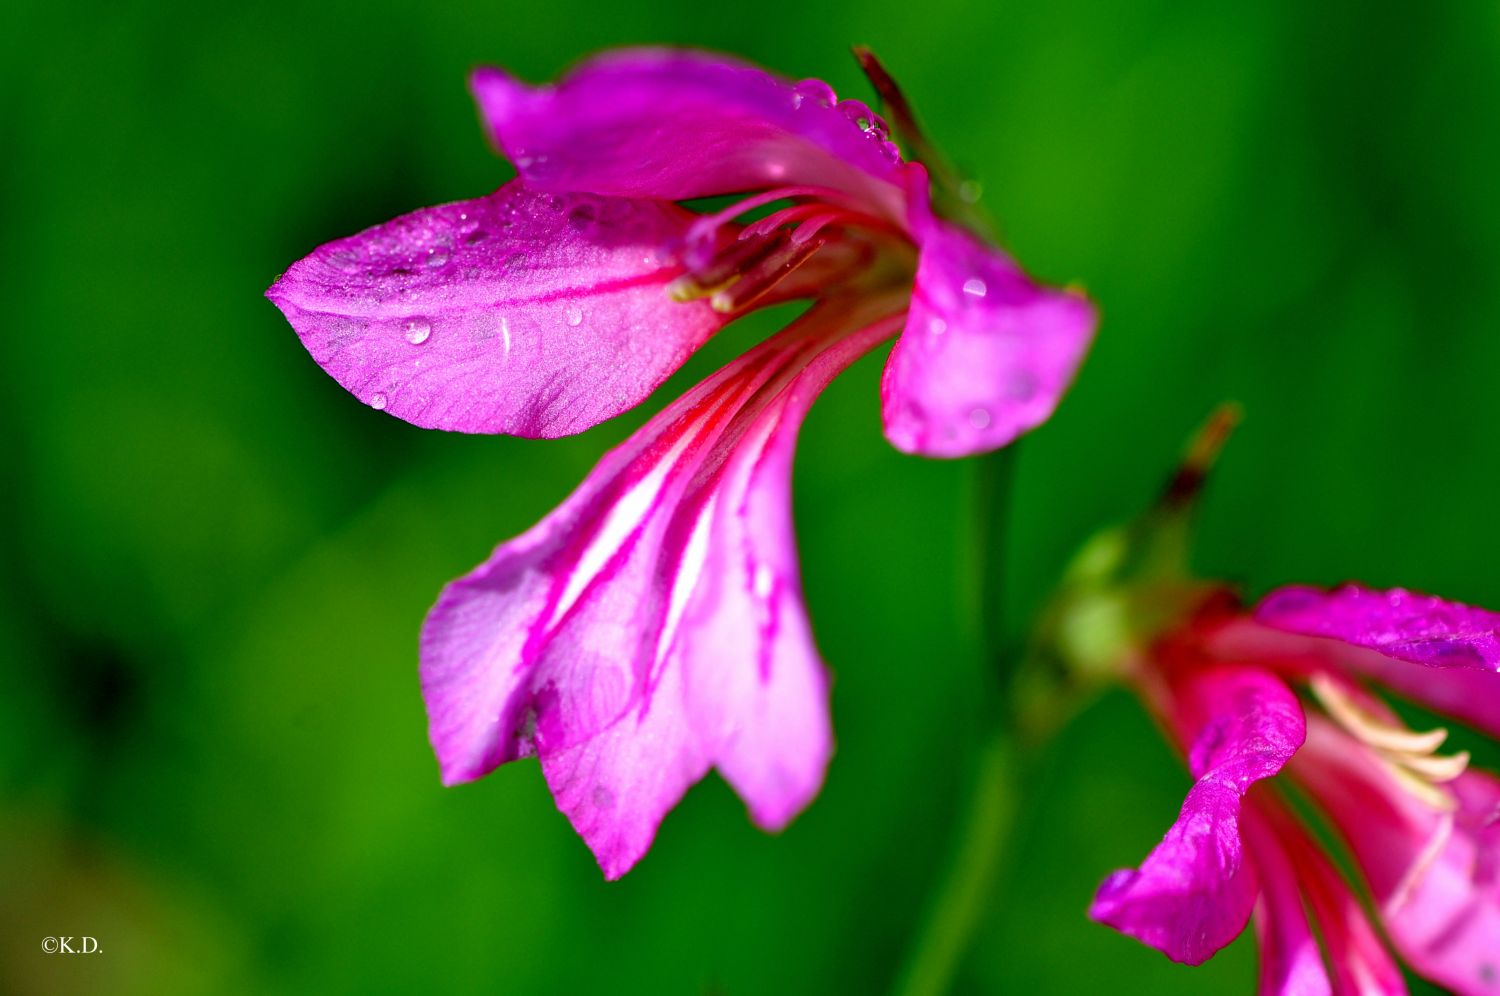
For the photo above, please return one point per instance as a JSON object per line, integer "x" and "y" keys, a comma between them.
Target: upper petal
{"x": 987, "y": 354}
{"x": 1403, "y": 624}
{"x": 520, "y": 312}
{"x": 1194, "y": 892}
{"x": 678, "y": 124}
{"x": 1456, "y": 647}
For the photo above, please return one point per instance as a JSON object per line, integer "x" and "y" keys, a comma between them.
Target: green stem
{"x": 967, "y": 885}
{"x": 968, "y": 882}
{"x": 994, "y": 478}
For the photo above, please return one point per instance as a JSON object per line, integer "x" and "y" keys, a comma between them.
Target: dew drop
{"x": 764, "y": 581}
{"x": 979, "y": 418}
{"x": 969, "y": 191}
{"x": 575, "y": 317}
{"x": 417, "y": 330}
{"x": 937, "y": 326}
{"x": 975, "y": 287}
{"x": 816, "y": 91}
{"x": 378, "y": 401}
{"x": 437, "y": 258}
{"x": 859, "y": 112}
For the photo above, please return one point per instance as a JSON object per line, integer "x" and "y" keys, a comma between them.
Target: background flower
{"x": 214, "y": 561}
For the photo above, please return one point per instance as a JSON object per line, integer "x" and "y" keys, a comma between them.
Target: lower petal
{"x": 1291, "y": 963}
{"x": 1448, "y": 928}
{"x": 653, "y": 623}
{"x": 1434, "y": 874}
{"x": 1194, "y": 892}
{"x": 756, "y": 685}
{"x": 1357, "y": 959}
{"x": 616, "y": 787}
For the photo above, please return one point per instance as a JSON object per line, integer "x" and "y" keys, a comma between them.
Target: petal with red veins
{"x": 1357, "y": 957}
{"x": 674, "y": 125}
{"x": 596, "y": 640}
{"x": 1434, "y": 874}
{"x": 522, "y": 313}
{"x": 986, "y": 355}
{"x": 755, "y": 685}
{"x": 1195, "y": 890}
{"x": 1290, "y": 961}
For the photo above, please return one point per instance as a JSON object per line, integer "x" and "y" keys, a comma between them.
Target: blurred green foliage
{"x": 212, "y": 747}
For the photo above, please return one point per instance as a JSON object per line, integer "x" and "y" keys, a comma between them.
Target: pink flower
{"x": 1286, "y": 697}
{"x": 652, "y": 626}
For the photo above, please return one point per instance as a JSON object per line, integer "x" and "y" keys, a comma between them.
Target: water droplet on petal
{"x": 575, "y": 317}
{"x": 417, "y": 330}
{"x": 378, "y": 401}
{"x": 814, "y": 91}
{"x": 979, "y": 418}
{"x": 857, "y": 111}
{"x": 937, "y": 326}
{"x": 437, "y": 258}
{"x": 764, "y": 581}
{"x": 975, "y": 287}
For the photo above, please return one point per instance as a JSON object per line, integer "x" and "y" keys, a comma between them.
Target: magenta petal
{"x": 1434, "y": 875}
{"x": 756, "y": 686}
{"x": 616, "y": 787}
{"x": 1291, "y": 963}
{"x": 1398, "y": 623}
{"x": 1449, "y": 928}
{"x": 677, "y": 124}
{"x": 1194, "y": 892}
{"x": 1357, "y": 957}
{"x": 558, "y": 633}
{"x": 522, "y": 313}
{"x": 986, "y": 355}
{"x": 578, "y": 640}
{"x": 1385, "y": 633}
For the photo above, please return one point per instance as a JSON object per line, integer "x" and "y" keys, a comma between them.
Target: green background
{"x": 212, "y": 746}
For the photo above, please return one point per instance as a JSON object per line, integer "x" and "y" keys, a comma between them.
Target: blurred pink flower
{"x": 1423, "y": 827}
{"x": 652, "y": 626}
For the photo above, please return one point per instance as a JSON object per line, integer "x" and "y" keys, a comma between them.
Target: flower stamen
{"x": 1410, "y": 756}
{"x": 772, "y": 269}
